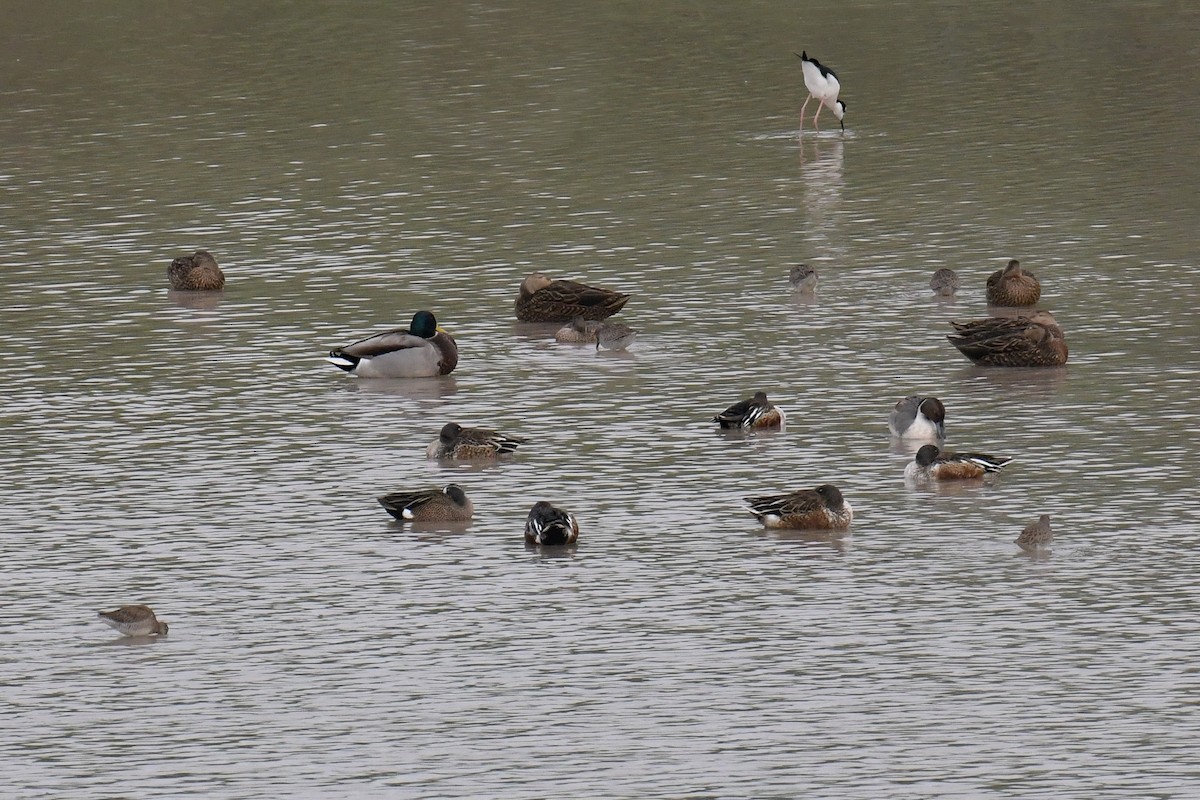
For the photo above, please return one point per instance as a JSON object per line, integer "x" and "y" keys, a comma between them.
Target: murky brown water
{"x": 350, "y": 165}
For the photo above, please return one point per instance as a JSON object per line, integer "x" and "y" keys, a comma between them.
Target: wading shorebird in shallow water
{"x": 1036, "y": 535}
{"x": 822, "y": 84}
{"x": 134, "y": 621}
{"x": 944, "y": 282}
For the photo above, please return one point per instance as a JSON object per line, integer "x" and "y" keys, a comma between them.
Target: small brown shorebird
{"x": 1036, "y": 535}
{"x": 135, "y": 621}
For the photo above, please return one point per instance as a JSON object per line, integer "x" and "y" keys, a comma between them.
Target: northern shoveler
{"x": 755, "y": 412}
{"x": 547, "y": 525}
{"x": 932, "y": 463}
{"x": 821, "y": 508}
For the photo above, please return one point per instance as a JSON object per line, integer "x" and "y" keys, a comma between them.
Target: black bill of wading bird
{"x": 822, "y": 84}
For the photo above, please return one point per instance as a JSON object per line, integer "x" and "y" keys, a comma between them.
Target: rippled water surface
{"x": 350, "y": 164}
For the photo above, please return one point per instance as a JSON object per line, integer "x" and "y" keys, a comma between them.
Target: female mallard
{"x": 134, "y": 621}
{"x": 614, "y": 336}
{"x": 1036, "y": 535}
{"x": 932, "y": 463}
{"x": 1013, "y": 286}
{"x": 578, "y": 331}
{"x": 196, "y": 273}
{"x": 803, "y": 277}
{"x": 450, "y": 504}
{"x": 944, "y": 282}
{"x": 917, "y": 417}
{"x": 756, "y": 412}
{"x": 422, "y": 351}
{"x": 455, "y": 441}
{"x": 547, "y": 525}
{"x": 545, "y": 300}
{"x": 821, "y": 508}
{"x": 1035, "y": 341}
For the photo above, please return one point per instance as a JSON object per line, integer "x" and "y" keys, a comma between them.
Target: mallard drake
{"x": 1036, "y": 535}
{"x": 821, "y": 508}
{"x": 544, "y": 300}
{"x": 917, "y": 417}
{"x": 803, "y": 277}
{"x": 1034, "y": 341}
{"x": 755, "y": 412}
{"x": 134, "y": 621}
{"x": 422, "y": 351}
{"x": 449, "y": 504}
{"x": 1013, "y": 286}
{"x": 932, "y": 463}
{"x": 944, "y": 282}
{"x": 455, "y": 441}
{"x": 614, "y": 336}
{"x": 547, "y": 525}
{"x": 196, "y": 273}
{"x": 578, "y": 331}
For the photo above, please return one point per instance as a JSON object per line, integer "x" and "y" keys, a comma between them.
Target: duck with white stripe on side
{"x": 931, "y": 463}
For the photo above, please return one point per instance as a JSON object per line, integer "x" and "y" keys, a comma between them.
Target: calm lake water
{"x": 350, "y": 164}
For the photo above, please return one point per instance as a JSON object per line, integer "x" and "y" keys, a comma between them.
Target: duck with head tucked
{"x": 449, "y": 504}
{"x": 931, "y": 463}
{"x": 822, "y": 508}
{"x": 803, "y": 278}
{"x": 196, "y": 273}
{"x": 917, "y": 417}
{"x": 455, "y": 441}
{"x": 550, "y": 526}
{"x": 753, "y": 412}
{"x": 422, "y": 351}
{"x": 544, "y": 300}
{"x": 1013, "y": 286}
{"x": 1034, "y": 341}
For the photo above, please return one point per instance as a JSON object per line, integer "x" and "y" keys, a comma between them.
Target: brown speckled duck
{"x": 1013, "y": 286}
{"x": 544, "y": 300}
{"x": 196, "y": 273}
{"x": 456, "y": 442}
{"x": 1034, "y": 341}
{"x": 449, "y": 504}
